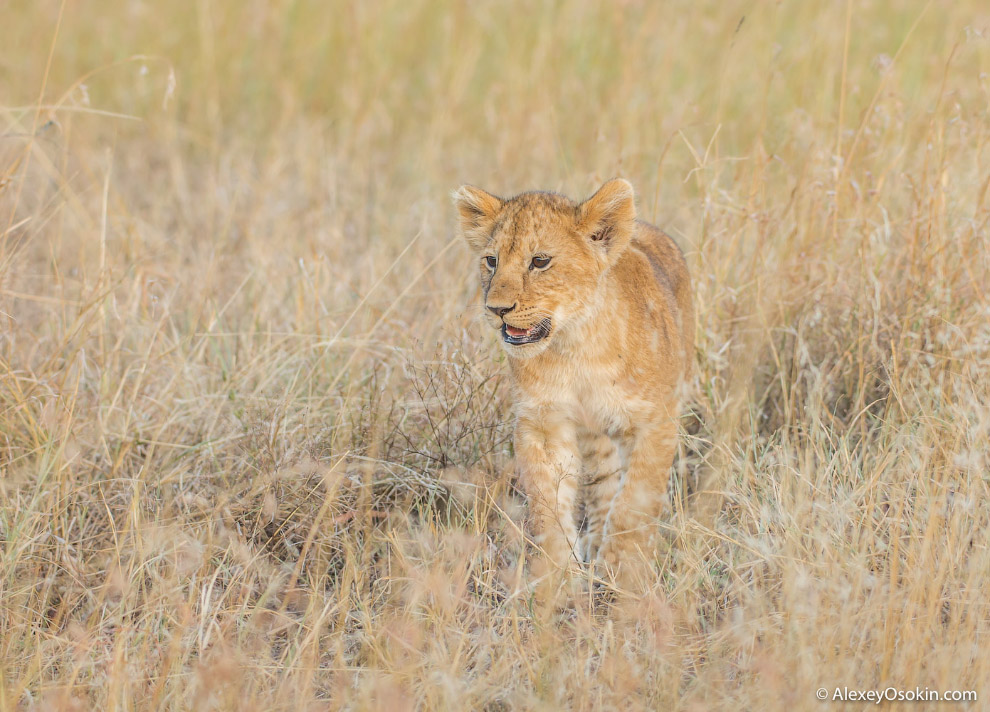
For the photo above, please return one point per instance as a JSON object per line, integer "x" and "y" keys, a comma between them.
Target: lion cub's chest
{"x": 597, "y": 401}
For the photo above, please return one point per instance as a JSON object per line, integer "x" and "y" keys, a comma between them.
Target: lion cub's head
{"x": 542, "y": 256}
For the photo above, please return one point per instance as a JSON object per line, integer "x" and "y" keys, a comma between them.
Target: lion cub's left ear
{"x": 477, "y": 210}
{"x": 608, "y": 217}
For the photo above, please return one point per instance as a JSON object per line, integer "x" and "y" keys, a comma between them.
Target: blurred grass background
{"x": 254, "y": 446}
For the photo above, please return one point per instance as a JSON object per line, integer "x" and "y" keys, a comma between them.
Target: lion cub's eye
{"x": 540, "y": 261}
{"x": 491, "y": 261}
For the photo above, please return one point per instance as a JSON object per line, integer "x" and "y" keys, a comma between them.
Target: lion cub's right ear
{"x": 477, "y": 210}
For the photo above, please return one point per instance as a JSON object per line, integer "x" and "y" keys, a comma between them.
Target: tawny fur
{"x": 596, "y": 400}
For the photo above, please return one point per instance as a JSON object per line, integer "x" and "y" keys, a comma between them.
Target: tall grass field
{"x": 255, "y": 440}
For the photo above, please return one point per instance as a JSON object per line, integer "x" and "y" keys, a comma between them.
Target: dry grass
{"x": 254, "y": 445}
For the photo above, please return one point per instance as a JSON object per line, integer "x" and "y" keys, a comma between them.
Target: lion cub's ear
{"x": 477, "y": 210}
{"x": 608, "y": 217}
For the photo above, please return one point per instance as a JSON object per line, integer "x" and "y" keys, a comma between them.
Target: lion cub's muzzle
{"x": 517, "y": 337}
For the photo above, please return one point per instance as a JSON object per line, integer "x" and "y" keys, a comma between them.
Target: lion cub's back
{"x": 671, "y": 272}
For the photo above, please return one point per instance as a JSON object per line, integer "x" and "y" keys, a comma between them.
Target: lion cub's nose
{"x": 501, "y": 311}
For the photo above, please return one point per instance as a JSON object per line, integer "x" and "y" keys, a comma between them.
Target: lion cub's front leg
{"x": 635, "y": 509}
{"x": 548, "y": 458}
{"x": 602, "y": 465}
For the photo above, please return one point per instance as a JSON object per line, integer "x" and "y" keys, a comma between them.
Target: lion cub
{"x": 594, "y": 312}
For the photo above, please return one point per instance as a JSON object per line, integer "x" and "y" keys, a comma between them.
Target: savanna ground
{"x": 255, "y": 445}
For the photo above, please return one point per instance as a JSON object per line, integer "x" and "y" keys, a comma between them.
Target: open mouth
{"x": 516, "y": 336}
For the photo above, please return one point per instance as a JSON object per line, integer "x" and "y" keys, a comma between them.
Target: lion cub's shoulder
{"x": 654, "y": 273}
{"x": 664, "y": 257}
